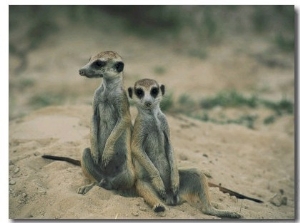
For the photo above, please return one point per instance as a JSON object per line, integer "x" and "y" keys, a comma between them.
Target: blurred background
{"x": 221, "y": 64}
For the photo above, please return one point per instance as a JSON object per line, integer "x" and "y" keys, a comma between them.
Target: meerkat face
{"x": 146, "y": 93}
{"x": 107, "y": 64}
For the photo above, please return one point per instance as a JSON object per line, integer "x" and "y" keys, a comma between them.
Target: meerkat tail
{"x": 233, "y": 193}
{"x": 61, "y": 158}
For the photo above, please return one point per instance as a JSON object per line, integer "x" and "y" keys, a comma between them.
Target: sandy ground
{"x": 256, "y": 162}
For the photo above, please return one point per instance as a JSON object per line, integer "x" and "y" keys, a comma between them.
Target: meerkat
{"x": 108, "y": 161}
{"x": 159, "y": 181}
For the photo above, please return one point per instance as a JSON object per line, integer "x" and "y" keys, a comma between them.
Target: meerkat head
{"x": 147, "y": 93}
{"x": 107, "y": 64}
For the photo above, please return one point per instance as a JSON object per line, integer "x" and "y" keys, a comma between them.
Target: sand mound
{"x": 255, "y": 163}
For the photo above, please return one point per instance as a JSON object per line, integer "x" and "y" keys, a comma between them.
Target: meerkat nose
{"x": 148, "y": 103}
{"x": 81, "y": 72}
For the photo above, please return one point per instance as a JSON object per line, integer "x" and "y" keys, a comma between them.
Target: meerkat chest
{"x": 156, "y": 151}
{"x": 155, "y": 142}
{"x": 107, "y": 108}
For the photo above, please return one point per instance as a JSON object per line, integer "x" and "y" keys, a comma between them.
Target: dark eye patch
{"x": 139, "y": 92}
{"x": 154, "y": 92}
{"x": 119, "y": 66}
{"x": 98, "y": 64}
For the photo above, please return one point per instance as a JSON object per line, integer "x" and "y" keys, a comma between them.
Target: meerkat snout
{"x": 148, "y": 103}
{"x": 81, "y": 72}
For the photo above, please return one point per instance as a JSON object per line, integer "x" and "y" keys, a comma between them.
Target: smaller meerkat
{"x": 108, "y": 161}
{"x": 159, "y": 181}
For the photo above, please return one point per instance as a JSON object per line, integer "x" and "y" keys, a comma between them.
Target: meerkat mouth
{"x": 92, "y": 75}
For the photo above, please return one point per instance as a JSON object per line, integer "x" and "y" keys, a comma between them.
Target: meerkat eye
{"x": 119, "y": 66}
{"x": 98, "y": 64}
{"x": 139, "y": 93}
{"x": 154, "y": 92}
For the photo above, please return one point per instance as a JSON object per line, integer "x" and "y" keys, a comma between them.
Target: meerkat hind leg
{"x": 146, "y": 191}
{"x": 123, "y": 180}
{"x": 90, "y": 169}
{"x": 193, "y": 187}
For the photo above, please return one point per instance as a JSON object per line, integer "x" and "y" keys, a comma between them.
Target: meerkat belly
{"x": 157, "y": 154}
{"x": 117, "y": 163}
{"x": 108, "y": 120}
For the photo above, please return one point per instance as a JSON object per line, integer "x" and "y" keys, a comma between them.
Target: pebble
{"x": 12, "y": 182}
{"x": 161, "y": 214}
{"x": 24, "y": 195}
{"x": 41, "y": 191}
{"x": 135, "y": 213}
{"x": 143, "y": 209}
{"x": 279, "y": 199}
{"x": 17, "y": 170}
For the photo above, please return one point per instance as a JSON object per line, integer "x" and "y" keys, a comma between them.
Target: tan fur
{"x": 145, "y": 83}
{"x": 159, "y": 181}
{"x": 108, "y": 162}
{"x": 108, "y": 55}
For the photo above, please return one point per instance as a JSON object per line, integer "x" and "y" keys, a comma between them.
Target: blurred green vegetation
{"x": 46, "y": 99}
{"x": 227, "y": 99}
{"x": 159, "y": 70}
{"x": 191, "y": 29}
{"x": 167, "y": 103}
{"x": 199, "y": 24}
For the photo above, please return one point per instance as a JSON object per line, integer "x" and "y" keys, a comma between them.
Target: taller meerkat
{"x": 158, "y": 179}
{"x": 108, "y": 161}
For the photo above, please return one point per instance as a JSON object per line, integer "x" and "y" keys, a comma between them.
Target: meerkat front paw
{"x": 175, "y": 188}
{"x": 106, "y": 157}
{"x": 95, "y": 156}
{"x": 172, "y": 199}
{"x": 159, "y": 186}
{"x": 96, "y": 160}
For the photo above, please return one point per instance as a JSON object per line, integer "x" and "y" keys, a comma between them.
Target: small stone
{"x": 17, "y": 170}
{"x": 143, "y": 209}
{"x": 12, "y": 182}
{"x": 136, "y": 213}
{"x": 41, "y": 191}
{"x": 284, "y": 201}
{"x": 183, "y": 157}
{"x": 279, "y": 199}
{"x": 24, "y": 195}
{"x": 205, "y": 155}
{"x": 161, "y": 214}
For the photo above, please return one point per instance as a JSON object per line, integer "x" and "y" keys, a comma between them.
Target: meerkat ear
{"x": 162, "y": 88}
{"x": 119, "y": 66}
{"x": 130, "y": 92}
